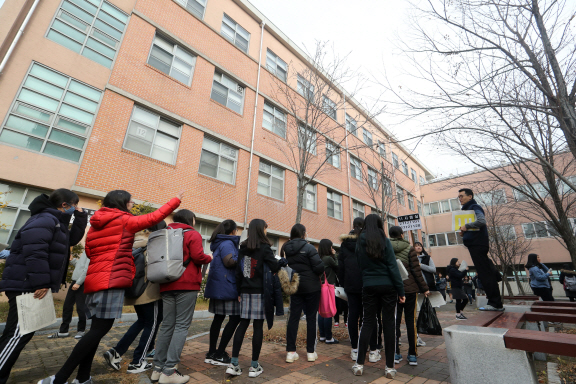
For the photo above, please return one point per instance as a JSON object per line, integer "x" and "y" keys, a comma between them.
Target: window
{"x": 227, "y": 92}
{"x": 411, "y": 202}
{"x": 382, "y": 149}
{"x": 404, "y": 168}
{"x": 172, "y": 60}
{"x": 218, "y": 160}
{"x": 271, "y": 181}
{"x": 357, "y": 209}
{"x": 16, "y": 213}
{"x": 395, "y": 160}
{"x": 233, "y": 32}
{"x": 503, "y": 232}
{"x": 538, "y": 190}
{"x": 206, "y": 230}
{"x": 153, "y": 136}
{"x": 334, "y": 205}
{"x": 424, "y": 239}
{"x": 276, "y": 65}
{"x": 419, "y": 205}
{"x": 351, "y": 125}
{"x": 367, "y": 137}
{"x": 52, "y": 114}
{"x": 355, "y": 168}
{"x": 307, "y": 139}
{"x": 310, "y": 197}
{"x": 564, "y": 188}
{"x": 391, "y": 222}
{"x": 372, "y": 179}
{"x": 329, "y": 107}
{"x": 195, "y": 7}
{"x": 491, "y": 198}
{"x": 445, "y": 239}
{"x": 422, "y": 180}
{"x": 305, "y": 88}
{"x": 274, "y": 120}
{"x": 443, "y": 206}
{"x": 275, "y": 240}
{"x": 400, "y": 195}
{"x": 414, "y": 177}
{"x": 540, "y": 229}
{"x": 92, "y": 28}
{"x": 332, "y": 154}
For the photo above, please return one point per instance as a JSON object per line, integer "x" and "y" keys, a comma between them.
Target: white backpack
{"x": 570, "y": 283}
{"x": 165, "y": 258}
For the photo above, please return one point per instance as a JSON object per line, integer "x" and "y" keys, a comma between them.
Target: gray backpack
{"x": 165, "y": 255}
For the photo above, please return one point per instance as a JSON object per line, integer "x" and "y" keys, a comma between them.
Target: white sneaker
{"x": 291, "y": 357}
{"x": 312, "y": 356}
{"x": 322, "y": 339}
{"x": 79, "y": 335}
{"x": 354, "y": 354}
{"x": 234, "y": 370}
{"x": 139, "y": 368}
{"x": 175, "y": 378}
{"x": 113, "y": 359}
{"x": 155, "y": 376}
{"x": 390, "y": 373}
{"x": 89, "y": 381}
{"x": 374, "y": 357}
{"x": 420, "y": 342}
{"x": 358, "y": 369}
{"x": 255, "y": 372}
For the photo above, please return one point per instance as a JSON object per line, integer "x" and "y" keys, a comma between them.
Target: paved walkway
{"x": 43, "y": 357}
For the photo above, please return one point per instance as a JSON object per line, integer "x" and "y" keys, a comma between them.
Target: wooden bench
{"x": 522, "y": 297}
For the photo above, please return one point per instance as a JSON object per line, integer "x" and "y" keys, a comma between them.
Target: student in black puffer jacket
{"x": 456, "y": 280}
{"x": 303, "y": 259}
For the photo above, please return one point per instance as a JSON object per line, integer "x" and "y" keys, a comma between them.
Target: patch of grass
{"x": 277, "y": 334}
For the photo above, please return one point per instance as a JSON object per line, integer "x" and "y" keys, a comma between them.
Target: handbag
{"x": 427, "y": 320}
{"x": 327, "y": 308}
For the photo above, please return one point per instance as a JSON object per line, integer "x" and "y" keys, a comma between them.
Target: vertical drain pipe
{"x": 348, "y": 163}
{"x": 244, "y": 232}
{"x": 18, "y": 35}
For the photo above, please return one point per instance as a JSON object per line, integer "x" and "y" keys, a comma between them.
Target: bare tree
{"x": 313, "y": 136}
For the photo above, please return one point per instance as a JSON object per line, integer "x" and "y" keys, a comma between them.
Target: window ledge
{"x": 271, "y": 198}
{"x": 307, "y": 210}
{"x": 216, "y": 180}
{"x": 335, "y": 219}
{"x": 226, "y": 108}
{"x": 147, "y": 158}
{"x": 273, "y": 133}
{"x": 168, "y": 76}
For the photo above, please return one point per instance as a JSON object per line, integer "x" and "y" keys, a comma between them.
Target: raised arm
{"x": 139, "y": 223}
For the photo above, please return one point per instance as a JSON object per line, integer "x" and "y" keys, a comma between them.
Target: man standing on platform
{"x": 475, "y": 236}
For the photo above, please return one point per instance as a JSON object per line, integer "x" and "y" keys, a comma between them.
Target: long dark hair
{"x": 63, "y": 195}
{"x": 224, "y": 228}
{"x": 117, "y": 199}
{"x": 533, "y": 261}
{"x": 453, "y": 261}
{"x": 375, "y": 236}
{"x": 357, "y": 225}
{"x": 298, "y": 231}
{"x": 185, "y": 216}
{"x": 325, "y": 248}
{"x": 256, "y": 235}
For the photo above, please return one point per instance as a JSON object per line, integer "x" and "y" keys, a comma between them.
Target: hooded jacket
{"x": 303, "y": 259}
{"x": 455, "y": 276}
{"x": 39, "y": 253}
{"x": 250, "y": 268}
{"x": 80, "y": 269}
{"x": 477, "y": 234}
{"x": 221, "y": 282}
{"x": 349, "y": 274}
{"x": 415, "y": 282}
{"x": 194, "y": 255}
{"x": 109, "y": 245}
{"x": 272, "y": 296}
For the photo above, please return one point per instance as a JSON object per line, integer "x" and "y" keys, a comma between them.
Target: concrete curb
{"x": 553, "y": 376}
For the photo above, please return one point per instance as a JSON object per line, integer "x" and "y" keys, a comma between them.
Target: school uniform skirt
{"x": 252, "y": 306}
{"x": 459, "y": 294}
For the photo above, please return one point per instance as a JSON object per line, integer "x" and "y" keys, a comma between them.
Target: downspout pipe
{"x": 244, "y": 232}
{"x": 348, "y": 164}
{"x": 18, "y": 35}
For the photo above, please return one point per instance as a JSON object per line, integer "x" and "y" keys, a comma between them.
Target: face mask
{"x": 70, "y": 210}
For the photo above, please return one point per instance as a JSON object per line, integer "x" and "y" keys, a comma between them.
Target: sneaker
{"x": 89, "y": 381}
{"x": 336, "y": 324}
{"x": 291, "y": 357}
{"x": 79, "y": 335}
{"x": 346, "y": 325}
{"x": 58, "y": 335}
{"x": 47, "y": 380}
{"x": 221, "y": 359}
{"x": 491, "y": 308}
{"x": 451, "y": 301}
{"x": 255, "y": 372}
{"x": 175, "y": 378}
{"x": 412, "y": 360}
{"x": 332, "y": 341}
{"x": 390, "y": 373}
{"x": 155, "y": 376}
{"x": 112, "y": 358}
{"x": 234, "y": 370}
{"x": 151, "y": 354}
{"x": 399, "y": 342}
{"x": 374, "y": 357}
{"x": 322, "y": 339}
{"x": 354, "y": 354}
{"x": 397, "y": 358}
{"x": 460, "y": 316}
{"x": 358, "y": 369}
{"x": 209, "y": 359}
{"x": 139, "y": 368}
{"x": 420, "y": 342}
{"x": 303, "y": 317}
{"x": 312, "y": 356}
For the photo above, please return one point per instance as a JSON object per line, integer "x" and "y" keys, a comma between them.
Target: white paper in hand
{"x": 402, "y": 269}
{"x": 34, "y": 314}
{"x": 340, "y": 293}
{"x": 463, "y": 266}
{"x": 435, "y": 297}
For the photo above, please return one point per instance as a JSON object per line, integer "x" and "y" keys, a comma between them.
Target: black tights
{"x": 461, "y": 304}
{"x": 83, "y": 353}
{"x": 227, "y": 334}
{"x": 257, "y": 338}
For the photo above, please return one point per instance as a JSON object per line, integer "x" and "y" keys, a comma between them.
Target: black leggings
{"x": 227, "y": 334}
{"x": 257, "y": 338}
{"x": 83, "y": 353}
{"x": 461, "y": 304}
{"x": 544, "y": 293}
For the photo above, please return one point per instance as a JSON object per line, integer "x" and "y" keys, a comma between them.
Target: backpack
{"x": 165, "y": 259}
{"x": 570, "y": 283}
{"x": 140, "y": 283}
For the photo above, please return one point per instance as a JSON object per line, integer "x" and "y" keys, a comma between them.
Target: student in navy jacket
{"x": 38, "y": 261}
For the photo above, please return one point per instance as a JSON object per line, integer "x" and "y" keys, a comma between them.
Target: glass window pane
{"x": 445, "y": 206}
{"x": 72, "y": 20}
{"x": 208, "y": 163}
{"x": 8, "y": 217}
{"x": 39, "y": 100}
{"x": 169, "y": 128}
{"x": 219, "y": 93}
{"x": 165, "y": 141}
{"x": 180, "y": 76}
{"x": 441, "y": 239}
{"x": 529, "y": 230}
{"x": 80, "y": 102}
{"x": 78, "y": 12}
{"x": 108, "y": 29}
{"x": 11, "y": 194}
{"x": 43, "y": 87}
{"x": 27, "y": 126}
{"x": 74, "y": 127}
{"x": 455, "y": 204}
{"x": 20, "y": 140}
{"x": 103, "y": 37}
{"x": 48, "y": 75}
{"x": 100, "y": 48}
{"x": 63, "y": 152}
{"x": 141, "y": 131}
{"x": 541, "y": 230}
{"x": 63, "y": 40}
{"x": 67, "y": 30}
{"x": 115, "y": 12}
{"x": 138, "y": 145}
{"x": 84, "y": 90}
{"x": 76, "y": 114}
{"x": 157, "y": 63}
{"x": 32, "y": 112}
{"x": 97, "y": 57}
{"x": 211, "y": 145}
{"x": 85, "y": 6}
{"x": 161, "y": 154}
{"x": 434, "y": 208}
{"x": 452, "y": 238}
{"x": 65, "y": 138}
{"x": 110, "y": 20}
{"x": 186, "y": 58}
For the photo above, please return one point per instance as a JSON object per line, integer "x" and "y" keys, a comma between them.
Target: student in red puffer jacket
{"x": 109, "y": 248}
{"x": 178, "y": 302}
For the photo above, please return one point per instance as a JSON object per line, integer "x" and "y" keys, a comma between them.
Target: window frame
{"x": 367, "y": 137}
{"x": 238, "y": 85}
{"x": 404, "y": 167}
{"x": 270, "y": 177}
{"x": 304, "y": 87}
{"x": 411, "y": 204}
{"x": 274, "y": 70}
{"x": 331, "y": 155}
{"x": 440, "y": 205}
{"x": 434, "y": 239}
{"x": 395, "y": 161}
{"x": 203, "y": 227}
{"x": 275, "y": 110}
{"x": 313, "y": 192}
{"x": 358, "y": 207}
{"x": 382, "y": 149}
{"x": 174, "y": 56}
{"x": 414, "y": 176}
{"x": 236, "y": 27}
{"x": 330, "y": 197}
{"x": 372, "y": 178}
{"x": 312, "y": 138}
{"x": 481, "y": 197}
{"x": 185, "y": 6}
{"x": 329, "y": 107}
{"x": 400, "y": 190}
{"x": 356, "y": 169}
{"x": 351, "y": 122}
{"x": 219, "y": 154}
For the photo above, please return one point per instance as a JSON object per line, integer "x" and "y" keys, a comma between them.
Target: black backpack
{"x": 140, "y": 283}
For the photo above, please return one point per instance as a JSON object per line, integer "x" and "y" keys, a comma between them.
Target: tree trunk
{"x": 517, "y": 279}
{"x": 300, "y": 202}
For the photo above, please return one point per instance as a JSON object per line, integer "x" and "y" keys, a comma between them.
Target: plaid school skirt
{"x": 224, "y": 307}
{"x": 105, "y": 304}
{"x": 252, "y": 306}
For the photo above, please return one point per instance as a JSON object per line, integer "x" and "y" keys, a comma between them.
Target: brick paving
{"x": 42, "y": 357}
